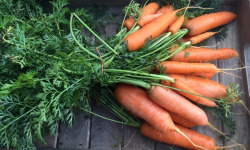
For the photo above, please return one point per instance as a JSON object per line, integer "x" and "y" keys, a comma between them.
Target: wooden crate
{"x": 96, "y": 133}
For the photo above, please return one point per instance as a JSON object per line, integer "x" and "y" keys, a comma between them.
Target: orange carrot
{"x": 199, "y": 54}
{"x": 164, "y": 9}
{"x": 180, "y": 120}
{"x": 201, "y": 37}
{"x": 179, "y": 84}
{"x": 168, "y": 9}
{"x": 149, "y": 9}
{"x": 203, "y": 75}
{"x": 138, "y": 39}
{"x": 187, "y": 68}
{"x": 206, "y": 22}
{"x": 128, "y": 23}
{"x": 172, "y": 101}
{"x": 176, "y": 25}
{"x": 204, "y": 87}
{"x": 147, "y": 19}
{"x": 137, "y": 101}
{"x": 176, "y": 139}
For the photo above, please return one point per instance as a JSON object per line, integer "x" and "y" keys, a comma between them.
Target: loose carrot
{"x": 187, "y": 68}
{"x": 201, "y": 37}
{"x": 147, "y": 19}
{"x": 199, "y": 54}
{"x": 137, "y": 101}
{"x": 206, "y": 22}
{"x": 138, "y": 39}
{"x": 172, "y": 101}
{"x": 176, "y": 139}
{"x": 180, "y": 120}
{"x": 129, "y": 22}
{"x": 164, "y": 9}
{"x": 204, "y": 87}
{"x": 179, "y": 84}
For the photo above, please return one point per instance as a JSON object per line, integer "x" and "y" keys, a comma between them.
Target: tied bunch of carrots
{"x": 166, "y": 108}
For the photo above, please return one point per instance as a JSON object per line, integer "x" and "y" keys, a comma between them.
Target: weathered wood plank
{"x": 242, "y": 128}
{"x": 77, "y": 136}
{"x": 134, "y": 140}
{"x": 243, "y": 23}
{"x": 51, "y": 142}
{"x": 105, "y": 134}
{"x": 211, "y": 118}
{"x": 247, "y": 63}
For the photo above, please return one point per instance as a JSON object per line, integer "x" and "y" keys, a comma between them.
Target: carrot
{"x": 204, "y": 87}
{"x": 164, "y": 9}
{"x": 176, "y": 139}
{"x": 199, "y": 54}
{"x": 129, "y": 22}
{"x": 179, "y": 84}
{"x": 168, "y": 9}
{"x": 201, "y": 37}
{"x": 203, "y": 75}
{"x": 180, "y": 120}
{"x": 206, "y": 22}
{"x": 138, "y": 39}
{"x": 149, "y": 9}
{"x": 172, "y": 101}
{"x": 137, "y": 101}
{"x": 187, "y": 68}
{"x": 176, "y": 25}
{"x": 147, "y": 19}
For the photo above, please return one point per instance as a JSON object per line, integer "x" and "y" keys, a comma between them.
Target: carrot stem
{"x": 183, "y": 46}
{"x": 86, "y": 26}
{"x": 136, "y": 82}
{"x": 160, "y": 40}
{"x": 154, "y": 76}
{"x": 101, "y": 116}
{"x": 179, "y": 34}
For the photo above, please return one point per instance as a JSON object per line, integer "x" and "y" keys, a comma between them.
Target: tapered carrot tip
{"x": 197, "y": 39}
{"x": 176, "y": 25}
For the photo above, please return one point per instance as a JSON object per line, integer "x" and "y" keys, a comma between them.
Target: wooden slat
{"x": 243, "y": 20}
{"x": 240, "y": 115}
{"x": 247, "y": 63}
{"x": 105, "y": 134}
{"x": 77, "y": 136}
{"x": 134, "y": 140}
{"x": 211, "y": 118}
{"x": 51, "y": 142}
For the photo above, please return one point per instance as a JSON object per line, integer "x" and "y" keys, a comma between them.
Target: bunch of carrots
{"x": 169, "y": 109}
